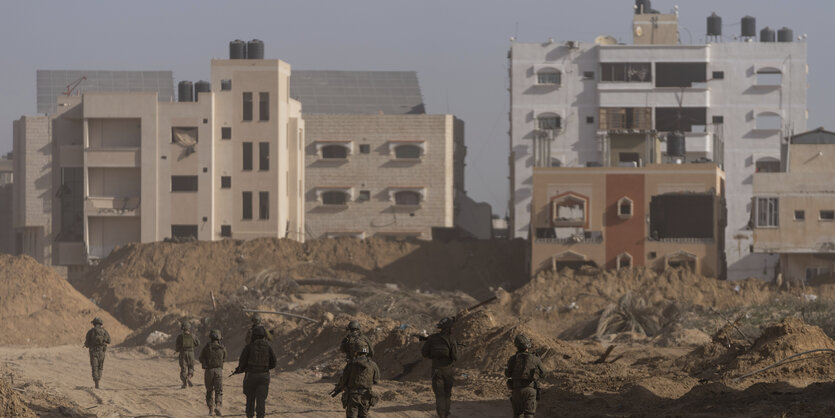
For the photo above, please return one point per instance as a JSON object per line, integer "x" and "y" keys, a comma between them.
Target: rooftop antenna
{"x": 72, "y": 86}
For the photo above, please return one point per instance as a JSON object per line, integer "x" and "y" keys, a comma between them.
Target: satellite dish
{"x": 605, "y": 40}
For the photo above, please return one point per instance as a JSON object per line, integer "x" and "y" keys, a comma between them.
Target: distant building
{"x": 54, "y": 83}
{"x": 6, "y": 228}
{"x": 794, "y": 208}
{"x": 733, "y": 101}
{"x": 110, "y": 168}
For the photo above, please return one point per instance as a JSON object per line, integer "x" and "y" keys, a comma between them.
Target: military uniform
{"x": 524, "y": 369}
{"x": 353, "y": 342}
{"x": 96, "y": 342}
{"x": 357, "y": 381}
{"x": 257, "y": 359}
{"x": 256, "y": 322}
{"x": 211, "y": 358}
{"x": 443, "y": 350}
{"x": 186, "y": 343}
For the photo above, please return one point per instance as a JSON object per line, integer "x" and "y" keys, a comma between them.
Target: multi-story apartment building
{"x": 109, "y": 168}
{"x": 377, "y": 165}
{"x": 794, "y": 210}
{"x": 734, "y": 101}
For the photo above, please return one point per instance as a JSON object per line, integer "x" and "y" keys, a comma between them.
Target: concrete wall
{"x": 33, "y": 190}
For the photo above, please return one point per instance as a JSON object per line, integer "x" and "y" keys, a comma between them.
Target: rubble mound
{"x": 10, "y": 404}
{"x": 39, "y": 308}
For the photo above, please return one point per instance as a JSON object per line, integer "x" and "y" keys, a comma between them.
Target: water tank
{"x": 201, "y": 86}
{"x": 767, "y": 35}
{"x": 714, "y": 25}
{"x": 749, "y": 27}
{"x": 255, "y": 50}
{"x": 642, "y": 7}
{"x": 185, "y": 91}
{"x": 675, "y": 144}
{"x": 785, "y": 35}
{"x": 237, "y": 50}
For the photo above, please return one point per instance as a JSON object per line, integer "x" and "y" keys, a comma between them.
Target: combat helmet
{"x": 185, "y": 326}
{"x": 354, "y": 325}
{"x": 522, "y": 342}
{"x": 259, "y": 332}
{"x": 215, "y": 334}
{"x": 445, "y": 323}
{"x": 96, "y": 321}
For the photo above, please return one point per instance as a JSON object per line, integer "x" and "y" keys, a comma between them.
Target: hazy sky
{"x": 458, "y": 48}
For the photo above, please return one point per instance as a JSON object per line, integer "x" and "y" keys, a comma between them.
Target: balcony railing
{"x": 112, "y": 206}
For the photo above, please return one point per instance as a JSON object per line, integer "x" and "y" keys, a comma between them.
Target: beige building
{"x": 112, "y": 168}
{"x": 656, "y": 215}
{"x": 793, "y": 212}
{"x": 6, "y": 221}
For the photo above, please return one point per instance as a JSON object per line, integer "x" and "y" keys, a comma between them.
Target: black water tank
{"x": 642, "y": 7}
{"x": 237, "y": 50}
{"x": 185, "y": 91}
{"x": 785, "y": 35}
{"x": 255, "y": 50}
{"x": 749, "y": 27}
{"x": 767, "y": 35}
{"x": 201, "y": 86}
{"x": 714, "y": 25}
{"x": 675, "y": 144}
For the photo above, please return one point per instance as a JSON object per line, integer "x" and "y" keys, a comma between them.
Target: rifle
{"x": 236, "y": 371}
{"x": 336, "y": 391}
{"x": 461, "y": 314}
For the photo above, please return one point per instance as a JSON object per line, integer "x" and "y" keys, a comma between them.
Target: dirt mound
{"x": 10, "y": 404}
{"x": 39, "y": 308}
{"x": 141, "y": 282}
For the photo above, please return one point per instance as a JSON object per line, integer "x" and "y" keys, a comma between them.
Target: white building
{"x": 735, "y": 101}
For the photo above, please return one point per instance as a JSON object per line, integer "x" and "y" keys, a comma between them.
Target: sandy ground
{"x": 138, "y": 382}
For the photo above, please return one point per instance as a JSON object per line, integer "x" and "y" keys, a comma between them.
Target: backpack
{"x": 439, "y": 347}
{"x": 99, "y": 337}
{"x": 361, "y": 374}
{"x": 354, "y": 342}
{"x": 524, "y": 369}
{"x": 188, "y": 342}
{"x": 259, "y": 354}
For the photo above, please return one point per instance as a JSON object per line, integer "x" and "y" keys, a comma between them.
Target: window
{"x": 625, "y": 208}
{"x": 769, "y": 121}
{"x": 335, "y": 197}
{"x": 827, "y": 215}
{"x": 651, "y": 255}
{"x": 549, "y": 122}
{"x": 767, "y": 212}
{"x": 247, "y": 155}
{"x": 334, "y": 152}
{"x": 264, "y": 105}
{"x": 247, "y": 205}
{"x": 407, "y": 152}
{"x": 588, "y": 75}
{"x": 247, "y": 105}
{"x": 718, "y": 75}
{"x": 225, "y": 85}
{"x": 612, "y": 118}
{"x": 767, "y": 165}
{"x": 800, "y": 215}
{"x": 680, "y": 74}
{"x": 226, "y": 231}
{"x": 626, "y": 71}
{"x": 685, "y": 119}
{"x": 225, "y": 182}
{"x": 770, "y": 77}
{"x": 568, "y": 211}
{"x": 589, "y": 119}
{"x": 548, "y": 76}
{"x": 407, "y": 198}
{"x": 186, "y": 137}
{"x": 629, "y": 159}
{"x": 184, "y": 231}
{"x": 365, "y": 149}
{"x": 226, "y": 132}
{"x": 264, "y": 156}
{"x": 183, "y": 183}
{"x": 263, "y": 205}
{"x": 365, "y": 195}
{"x": 624, "y": 261}
{"x": 718, "y": 120}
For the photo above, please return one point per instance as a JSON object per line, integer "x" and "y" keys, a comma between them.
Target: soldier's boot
{"x": 184, "y": 384}
{"x": 189, "y": 382}
{"x": 97, "y": 383}
{"x": 217, "y": 411}
{"x": 211, "y": 411}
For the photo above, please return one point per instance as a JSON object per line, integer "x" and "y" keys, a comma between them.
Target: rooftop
{"x": 357, "y": 92}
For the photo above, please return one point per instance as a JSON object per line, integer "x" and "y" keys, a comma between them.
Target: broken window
{"x": 184, "y": 231}
{"x": 681, "y": 216}
{"x": 668, "y": 119}
{"x": 335, "y": 197}
{"x": 568, "y": 211}
{"x": 769, "y": 121}
{"x": 769, "y": 77}
{"x": 549, "y": 122}
{"x": 548, "y": 76}
{"x": 767, "y": 211}
{"x": 626, "y": 71}
{"x": 767, "y": 165}
{"x": 629, "y": 159}
{"x": 680, "y": 74}
{"x": 407, "y": 198}
{"x": 335, "y": 151}
{"x": 639, "y": 118}
{"x": 407, "y": 152}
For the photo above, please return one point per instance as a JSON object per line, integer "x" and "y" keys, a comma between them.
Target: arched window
{"x": 548, "y": 77}
{"x": 407, "y": 152}
{"x": 769, "y": 121}
{"x": 569, "y": 210}
{"x": 335, "y": 197}
{"x": 407, "y": 198}
{"x": 335, "y": 151}
{"x": 555, "y": 162}
{"x": 548, "y": 122}
{"x": 769, "y": 77}
{"x": 624, "y": 261}
{"x": 767, "y": 165}
{"x": 625, "y": 208}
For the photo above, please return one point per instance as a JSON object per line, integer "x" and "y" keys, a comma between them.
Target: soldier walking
{"x": 442, "y": 349}
{"x": 186, "y": 343}
{"x": 257, "y": 359}
{"x": 211, "y": 358}
{"x": 354, "y": 341}
{"x": 256, "y": 322}
{"x": 96, "y": 342}
{"x": 357, "y": 381}
{"x": 524, "y": 370}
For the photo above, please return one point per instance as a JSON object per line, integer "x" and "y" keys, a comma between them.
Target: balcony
{"x": 647, "y": 95}
{"x": 113, "y": 157}
{"x": 112, "y": 206}
{"x": 546, "y": 236}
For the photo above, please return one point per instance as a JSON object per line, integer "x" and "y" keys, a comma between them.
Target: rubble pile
{"x": 10, "y": 404}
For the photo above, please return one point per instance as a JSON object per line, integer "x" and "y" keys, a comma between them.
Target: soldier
{"x": 524, "y": 369}
{"x": 96, "y": 342}
{"x": 354, "y": 341}
{"x": 356, "y": 384}
{"x": 186, "y": 342}
{"x": 257, "y": 359}
{"x": 211, "y": 358}
{"x": 256, "y": 322}
{"x": 443, "y": 350}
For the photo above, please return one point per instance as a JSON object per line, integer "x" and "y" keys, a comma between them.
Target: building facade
{"x": 794, "y": 210}
{"x": 658, "y": 215}
{"x": 6, "y": 198}
{"x": 110, "y": 168}
{"x": 733, "y": 101}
